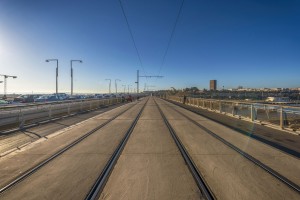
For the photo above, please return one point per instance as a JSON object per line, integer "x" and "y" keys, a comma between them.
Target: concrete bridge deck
{"x": 150, "y": 166}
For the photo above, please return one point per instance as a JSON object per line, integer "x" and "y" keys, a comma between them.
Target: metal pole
{"x": 137, "y": 80}
{"x": 109, "y": 86}
{"x": 116, "y": 85}
{"x": 72, "y": 74}
{"x": 71, "y": 79}
{"x": 5, "y": 88}
{"x": 56, "y": 77}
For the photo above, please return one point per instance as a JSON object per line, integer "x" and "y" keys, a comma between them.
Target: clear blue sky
{"x": 253, "y": 43}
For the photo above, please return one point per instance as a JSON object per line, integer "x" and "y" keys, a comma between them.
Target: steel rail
{"x": 203, "y": 186}
{"x": 34, "y": 169}
{"x": 277, "y": 175}
{"x": 254, "y": 136}
{"x": 100, "y": 183}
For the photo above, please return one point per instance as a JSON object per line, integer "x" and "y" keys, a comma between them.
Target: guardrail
{"x": 285, "y": 117}
{"x": 18, "y": 116}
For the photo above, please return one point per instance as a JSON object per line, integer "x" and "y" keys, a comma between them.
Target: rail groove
{"x": 203, "y": 186}
{"x": 100, "y": 183}
{"x": 244, "y": 154}
{"x": 34, "y": 169}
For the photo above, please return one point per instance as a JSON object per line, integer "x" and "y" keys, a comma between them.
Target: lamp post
{"x": 5, "y": 83}
{"x": 124, "y": 88}
{"x": 48, "y": 60}
{"x": 128, "y": 88}
{"x": 116, "y": 85}
{"x": 72, "y": 74}
{"x": 109, "y": 84}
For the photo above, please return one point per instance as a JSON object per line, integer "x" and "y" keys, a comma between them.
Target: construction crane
{"x": 5, "y": 83}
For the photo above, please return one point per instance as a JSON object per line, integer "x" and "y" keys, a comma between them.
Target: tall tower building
{"x": 213, "y": 84}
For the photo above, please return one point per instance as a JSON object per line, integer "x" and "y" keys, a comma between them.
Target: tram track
{"x": 199, "y": 179}
{"x": 13, "y": 140}
{"x": 260, "y": 164}
{"x": 43, "y": 163}
{"x": 289, "y": 149}
{"x": 98, "y": 186}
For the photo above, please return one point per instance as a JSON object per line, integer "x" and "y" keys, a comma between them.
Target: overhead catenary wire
{"x": 131, "y": 34}
{"x": 171, "y": 37}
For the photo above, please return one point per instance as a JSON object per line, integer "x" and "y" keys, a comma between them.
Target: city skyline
{"x": 251, "y": 43}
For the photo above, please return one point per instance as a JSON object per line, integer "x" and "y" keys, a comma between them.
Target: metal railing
{"x": 18, "y": 116}
{"x": 286, "y": 117}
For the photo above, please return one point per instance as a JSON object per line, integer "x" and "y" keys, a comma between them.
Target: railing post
{"x": 50, "y": 111}
{"x": 220, "y": 106}
{"x": 69, "y": 108}
{"x": 283, "y": 121}
{"x": 210, "y": 105}
{"x": 21, "y": 119}
{"x": 233, "y": 109}
{"x": 253, "y": 113}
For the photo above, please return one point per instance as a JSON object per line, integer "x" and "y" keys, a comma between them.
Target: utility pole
{"x": 5, "y": 83}
{"x": 138, "y": 79}
{"x": 116, "y": 85}
{"x": 124, "y": 88}
{"x": 128, "y": 88}
{"x": 109, "y": 84}
{"x": 72, "y": 74}
{"x": 48, "y": 60}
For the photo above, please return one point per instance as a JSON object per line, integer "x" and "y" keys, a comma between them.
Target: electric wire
{"x": 171, "y": 37}
{"x": 131, "y": 34}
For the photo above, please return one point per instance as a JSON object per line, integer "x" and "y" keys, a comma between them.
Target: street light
{"x": 48, "y": 60}
{"x": 109, "y": 83}
{"x": 116, "y": 85}
{"x": 124, "y": 88}
{"x": 72, "y": 74}
{"x": 5, "y": 83}
{"x": 128, "y": 88}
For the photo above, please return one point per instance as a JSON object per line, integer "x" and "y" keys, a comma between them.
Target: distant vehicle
{"x": 129, "y": 98}
{"x": 47, "y": 98}
{"x": 71, "y": 98}
{"x": 3, "y": 102}
{"x": 26, "y": 98}
{"x": 61, "y": 96}
{"x": 99, "y": 96}
{"x": 277, "y": 99}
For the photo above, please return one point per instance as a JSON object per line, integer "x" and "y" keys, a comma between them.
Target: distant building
{"x": 213, "y": 84}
